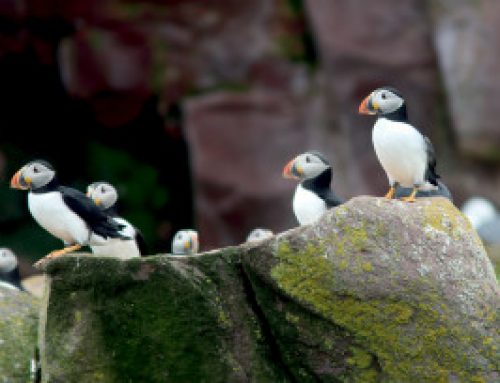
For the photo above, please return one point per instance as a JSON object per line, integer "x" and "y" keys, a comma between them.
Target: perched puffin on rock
{"x": 64, "y": 212}
{"x": 406, "y": 155}
{"x": 313, "y": 195}
{"x": 105, "y": 196}
{"x": 9, "y": 270}
{"x": 259, "y": 234}
{"x": 185, "y": 242}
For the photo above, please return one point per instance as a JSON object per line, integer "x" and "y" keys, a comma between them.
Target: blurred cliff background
{"x": 192, "y": 108}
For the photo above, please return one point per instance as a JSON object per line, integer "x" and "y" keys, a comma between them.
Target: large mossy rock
{"x": 377, "y": 291}
{"x": 18, "y": 333}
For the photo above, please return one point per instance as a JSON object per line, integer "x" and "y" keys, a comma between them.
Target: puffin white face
{"x": 381, "y": 101}
{"x": 8, "y": 260}
{"x": 479, "y": 211}
{"x": 185, "y": 242}
{"x": 103, "y": 194}
{"x": 258, "y": 234}
{"x": 33, "y": 175}
{"x": 306, "y": 166}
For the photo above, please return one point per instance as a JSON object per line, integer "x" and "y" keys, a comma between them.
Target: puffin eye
{"x": 308, "y": 159}
{"x": 384, "y": 96}
{"x": 35, "y": 170}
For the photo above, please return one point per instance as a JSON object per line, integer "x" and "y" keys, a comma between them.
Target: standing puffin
{"x": 406, "y": 155}
{"x": 9, "y": 270}
{"x": 105, "y": 196}
{"x": 185, "y": 242}
{"x": 313, "y": 195}
{"x": 64, "y": 212}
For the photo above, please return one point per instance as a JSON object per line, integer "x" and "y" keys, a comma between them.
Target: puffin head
{"x": 479, "y": 211}
{"x": 103, "y": 194}
{"x": 382, "y": 101}
{"x": 33, "y": 175}
{"x": 259, "y": 234}
{"x": 306, "y": 166}
{"x": 185, "y": 242}
{"x": 8, "y": 260}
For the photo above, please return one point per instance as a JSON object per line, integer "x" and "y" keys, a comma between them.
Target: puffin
{"x": 259, "y": 234}
{"x": 66, "y": 213}
{"x": 406, "y": 155}
{"x": 105, "y": 197}
{"x": 185, "y": 242}
{"x": 484, "y": 217}
{"x": 9, "y": 270}
{"x": 313, "y": 195}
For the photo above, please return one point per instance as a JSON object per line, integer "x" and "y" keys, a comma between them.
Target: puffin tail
{"x": 431, "y": 176}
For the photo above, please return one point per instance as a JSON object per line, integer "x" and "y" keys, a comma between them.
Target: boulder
{"x": 376, "y": 291}
{"x": 18, "y": 333}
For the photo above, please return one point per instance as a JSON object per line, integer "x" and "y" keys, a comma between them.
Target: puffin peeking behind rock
{"x": 485, "y": 218}
{"x": 64, "y": 212}
{"x": 185, "y": 242}
{"x": 9, "y": 270}
{"x": 313, "y": 195}
{"x": 259, "y": 234}
{"x": 105, "y": 196}
{"x": 406, "y": 155}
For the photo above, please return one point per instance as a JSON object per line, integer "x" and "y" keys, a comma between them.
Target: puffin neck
{"x": 12, "y": 277}
{"x": 319, "y": 182}
{"x": 399, "y": 115}
{"x": 51, "y": 186}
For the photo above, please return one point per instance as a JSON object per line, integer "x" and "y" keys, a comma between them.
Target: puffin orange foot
{"x": 411, "y": 197}
{"x": 391, "y": 193}
{"x": 57, "y": 253}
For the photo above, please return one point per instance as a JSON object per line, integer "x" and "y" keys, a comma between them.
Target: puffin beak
{"x": 97, "y": 201}
{"x": 291, "y": 171}
{"x": 367, "y": 106}
{"x": 18, "y": 182}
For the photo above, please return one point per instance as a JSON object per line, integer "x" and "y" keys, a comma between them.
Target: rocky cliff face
{"x": 18, "y": 329}
{"x": 376, "y": 291}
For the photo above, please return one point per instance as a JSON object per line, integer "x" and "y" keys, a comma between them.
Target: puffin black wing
{"x": 141, "y": 243}
{"x": 430, "y": 173}
{"x": 98, "y": 221}
{"x": 330, "y": 198}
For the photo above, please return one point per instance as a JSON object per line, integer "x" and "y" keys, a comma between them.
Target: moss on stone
{"x": 412, "y": 341}
{"x": 18, "y": 329}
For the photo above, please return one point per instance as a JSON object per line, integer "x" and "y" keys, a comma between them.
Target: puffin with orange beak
{"x": 105, "y": 196}
{"x": 185, "y": 242}
{"x": 64, "y": 212}
{"x": 313, "y": 195}
{"x": 407, "y": 156}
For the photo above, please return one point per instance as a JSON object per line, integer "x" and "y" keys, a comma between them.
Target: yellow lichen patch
{"x": 411, "y": 341}
{"x": 441, "y": 215}
{"x": 367, "y": 266}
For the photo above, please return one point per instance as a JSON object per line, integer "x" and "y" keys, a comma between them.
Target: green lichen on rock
{"x": 417, "y": 336}
{"x": 158, "y": 319}
{"x": 18, "y": 329}
{"x": 376, "y": 291}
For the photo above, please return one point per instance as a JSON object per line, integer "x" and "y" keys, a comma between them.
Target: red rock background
{"x": 213, "y": 97}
